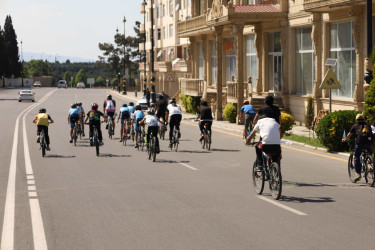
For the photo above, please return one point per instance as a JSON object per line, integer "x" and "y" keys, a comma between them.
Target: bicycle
{"x": 206, "y": 137}
{"x": 132, "y": 131}
{"x": 162, "y": 130}
{"x": 124, "y": 135}
{"x": 141, "y": 139}
{"x": 76, "y": 132}
{"x": 43, "y": 143}
{"x": 94, "y": 141}
{"x": 270, "y": 172}
{"x": 367, "y": 166}
{"x": 175, "y": 139}
{"x": 111, "y": 132}
{"x": 248, "y": 131}
{"x": 152, "y": 146}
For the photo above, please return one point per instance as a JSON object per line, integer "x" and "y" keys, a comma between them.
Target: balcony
{"x": 327, "y": 5}
{"x": 232, "y": 92}
{"x": 192, "y": 87}
{"x": 192, "y": 25}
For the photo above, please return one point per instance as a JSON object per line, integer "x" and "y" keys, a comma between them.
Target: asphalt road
{"x": 190, "y": 199}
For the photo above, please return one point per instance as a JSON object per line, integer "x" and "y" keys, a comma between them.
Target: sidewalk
{"x": 233, "y": 127}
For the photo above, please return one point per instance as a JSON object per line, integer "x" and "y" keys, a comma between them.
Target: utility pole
{"x": 153, "y": 93}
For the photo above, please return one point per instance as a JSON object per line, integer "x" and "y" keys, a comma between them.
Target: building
{"x": 171, "y": 53}
{"x": 249, "y": 49}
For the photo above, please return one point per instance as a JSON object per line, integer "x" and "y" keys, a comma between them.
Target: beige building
{"x": 172, "y": 57}
{"x": 250, "y": 49}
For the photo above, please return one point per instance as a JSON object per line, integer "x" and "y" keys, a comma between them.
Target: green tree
{"x": 13, "y": 65}
{"x": 100, "y": 81}
{"x": 369, "y": 107}
{"x": 2, "y": 53}
{"x": 81, "y": 77}
{"x": 35, "y": 68}
{"x": 68, "y": 77}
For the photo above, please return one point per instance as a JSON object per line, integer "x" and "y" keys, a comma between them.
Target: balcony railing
{"x": 192, "y": 87}
{"x": 192, "y": 24}
{"x": 232, "y": 92}
{"x": 311, "y": 5}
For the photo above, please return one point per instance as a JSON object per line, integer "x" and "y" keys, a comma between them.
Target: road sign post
{"x": 330, "y": 80}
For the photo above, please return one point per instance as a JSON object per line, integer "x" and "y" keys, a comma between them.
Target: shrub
{"x": 230, "y": 113}
{"x": 183, "y": 100}
{"x": 332, "y": 126}
{"x": 191, "y": 104}
{"x": 309, "y": 117}
{"x": 287, "y": 122}
{"x": 369, "y": 107}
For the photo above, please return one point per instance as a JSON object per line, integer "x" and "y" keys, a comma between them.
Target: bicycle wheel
{"x": 258, "y": 179}
{"x": 208, "y": 143}
{"x": 149, "y": 150}
{"x": 204, "y": 140}
{"x": 123, "y": 135}
{"x": 96, "y": 142}
{"x": 110, "y": 130}
{"x": 175, "y": 140}
{"x": 43, "y": 144}
{"x": 369, "y": 171}
{"x": 133, "y": 133}
{"x": 351, "y": 168}
{"x": 275, "y": 180}
{"x": 142, "y": 141}
{"x": 153, "y": 145}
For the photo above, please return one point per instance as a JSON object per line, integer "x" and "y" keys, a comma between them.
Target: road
{"x": 190, "y": 199}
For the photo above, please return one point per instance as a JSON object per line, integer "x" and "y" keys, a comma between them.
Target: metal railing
{"x": 193, "y": 87}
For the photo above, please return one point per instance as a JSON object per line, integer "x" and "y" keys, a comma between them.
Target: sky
{"x": 73, "y": 28}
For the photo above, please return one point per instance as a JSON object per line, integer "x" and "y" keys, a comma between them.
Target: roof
{"x": 255, "y": 8}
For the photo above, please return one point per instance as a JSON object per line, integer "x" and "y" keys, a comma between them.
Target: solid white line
{"x": 40, "y": 242}
{"x": 188, "y": 166}
{"x": 282, "y": 206}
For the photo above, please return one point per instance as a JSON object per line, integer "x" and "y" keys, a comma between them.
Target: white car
{"x": 26, "y": 94}
{"x": 62, "y": 84}
{"x": 143, "y": 102}
{"x": 80, "y": 85}
{"x": 37, "y": 84}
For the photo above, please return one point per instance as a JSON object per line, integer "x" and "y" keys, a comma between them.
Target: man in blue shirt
{"x": 125, "y": 117}
{"x": 73, "y": 117}
{"x": 139, "y": 115}
{"x": 249, "y": 112}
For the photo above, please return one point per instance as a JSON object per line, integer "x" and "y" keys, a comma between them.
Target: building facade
{"x": 246, "y": 49}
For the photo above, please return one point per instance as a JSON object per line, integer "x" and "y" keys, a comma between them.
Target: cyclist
{"x": 175, "y": 117}
{"x": 249, "y": 112}
{"x": 81, "y": 113}
{"x": 269, "y": 110}
{"x": 205, "y": 116}
{"x": 73, "y": 118}
{"x": 161, "y": 109}
{"x": 270, "y": 133}
{"x": 363, "y": 139}
{"x": 138, "y": 117}
{"x": 42, "y": 121}
{"x": 152, "y": 125}
{"x": 109, "y": 109}
{"x": 125, "y": 117}
{"x": 94, "y": 116}
{"x": 132, "y": 112}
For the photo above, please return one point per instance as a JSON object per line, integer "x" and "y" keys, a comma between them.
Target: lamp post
{"x": 153, "y": 94}
{"x": 124, "y": 77}
{"x": 368, "y": 64}
{"x": 22, "y": 63}
{"x": 143, "y": 11}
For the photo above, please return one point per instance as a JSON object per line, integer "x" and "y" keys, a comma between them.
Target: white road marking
{"x": 282, "y": 206}
{"x": 33, "y": 194}
{"x": 188, "y": 166}
{"x": 7, "y": 236}
{"x": 31, "y": 182}
{"x": 40, "y": 242}
{"x": 31, "y": 188}
{"x": 30, "y": 177}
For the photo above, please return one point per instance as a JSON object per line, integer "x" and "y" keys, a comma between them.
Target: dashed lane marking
{"x": 188, "y": 166}
{"x": 292, "y": 210}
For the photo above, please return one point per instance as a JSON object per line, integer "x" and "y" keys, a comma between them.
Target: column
{"x": 219, "y": 76}
{"x": 358, "y": 95}
{"x": 259, "y": 47}
{"x": 238, "y": 32}
{"x": 316, "y": 35}
{"x": 205, "y": 58}
{"x": 285, "y": 52}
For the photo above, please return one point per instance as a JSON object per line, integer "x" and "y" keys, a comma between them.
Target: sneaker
{"x": 357, "y": 177}
{"x": 38, "y": 139}
{"x": 71, "y": 141}
{"x": 48, "y": 148}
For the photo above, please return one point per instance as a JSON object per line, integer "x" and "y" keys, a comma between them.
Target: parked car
{"x": 62, "y": 84}
{"x": 37, "y": 84}
{"x": 80, "y": 85}
{"x": 143, "y": 102}
{"x": 26, "y": 94}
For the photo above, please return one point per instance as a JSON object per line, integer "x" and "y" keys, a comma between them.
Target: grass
{"x": 303, "y": 139}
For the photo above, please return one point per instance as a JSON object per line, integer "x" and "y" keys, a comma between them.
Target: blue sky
{"x": 69, "y": 27}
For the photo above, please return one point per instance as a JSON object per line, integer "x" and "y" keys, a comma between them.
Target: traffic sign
{"x": 330, "y": 81}
{"x": 169, "y": 78}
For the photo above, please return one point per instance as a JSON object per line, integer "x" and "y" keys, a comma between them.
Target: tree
{"x": 81, "y": 77}
{"x": 68, "y": 77}
{"x": 2, "y": 53}
{"x": 100, "y": 81}
{"x": 369, "y": 107}
{"x": 13, "y": 65}
{"x": 35, "y": 68}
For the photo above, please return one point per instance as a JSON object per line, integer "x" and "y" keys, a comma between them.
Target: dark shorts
{"x": 110, "y": 114}
{"x": 249, "y": 119}
{"x": 73, "y": 119}
{"x": 137, "y": 126}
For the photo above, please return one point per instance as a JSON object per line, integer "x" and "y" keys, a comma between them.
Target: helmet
{"x": 94, "y": 106}
{"x": 138, "y": 107}
{"x": 131, "y": 104}
{"x": 42, "y": 110}
{"x": 79, "y": 104}
{"x": 124, "y": 105}
{"x": 246, "y": 102}
{"x": 109, "y": 97}
{"x": 173, "y": 100}
{"x": 73, "y": 106}
{"x": 151, "y": 112}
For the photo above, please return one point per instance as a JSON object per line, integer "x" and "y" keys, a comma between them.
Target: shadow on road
{"x": 60, "y": 156}
{"x": 194, "y": 151}
{"x": 225, "y": 150}
{"x": 299, "y": 184}
{"x": 8, "y": 99}
{"x": 170, "y": 161}
{"x": 306, "y": 199}
{"x": 112, "y": 155}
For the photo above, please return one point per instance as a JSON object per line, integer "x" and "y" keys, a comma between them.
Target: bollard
{"x": 135, "y": 93}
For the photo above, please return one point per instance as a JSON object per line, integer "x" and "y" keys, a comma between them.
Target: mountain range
{"x": 27, "y": 56}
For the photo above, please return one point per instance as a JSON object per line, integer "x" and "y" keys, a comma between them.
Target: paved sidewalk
{"x": 233, "y": 127}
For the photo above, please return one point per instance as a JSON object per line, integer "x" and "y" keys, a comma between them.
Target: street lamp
{"x": 153, "y": 94}
{"x": 22, "y": 63}
{"x": 143, "y": 11}
{"x": 369, "y": 67}
{"x": 124, "y": 79}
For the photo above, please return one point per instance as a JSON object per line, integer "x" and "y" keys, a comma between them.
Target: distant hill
{"x": 52, "y": 58}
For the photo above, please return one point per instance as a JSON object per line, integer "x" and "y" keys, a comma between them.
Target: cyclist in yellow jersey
{"x": 42, "y": 120}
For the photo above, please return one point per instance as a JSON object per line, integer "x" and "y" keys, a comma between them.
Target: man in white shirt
{"x": 270, "y": 133}
{"x": 175, "y": 117}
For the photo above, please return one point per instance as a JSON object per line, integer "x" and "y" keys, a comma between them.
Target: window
{"x": 251, "y": 60}
{"x": 275, "y": 62}
{"x": 171, "y": 8}
{"x": 200, "y": 61}
{"x": 304, "y": 62}
{"x": 230, "y": 59}
{"x": 343, "y": 49}
{"x": 213, "y": 63}
{"x": 171, "y": 30}
{"x": 159, "y": 34}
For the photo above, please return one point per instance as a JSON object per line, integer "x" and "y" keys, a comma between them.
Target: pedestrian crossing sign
{"x": 330, "y": 81}
{"x": 169, "y": 78}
